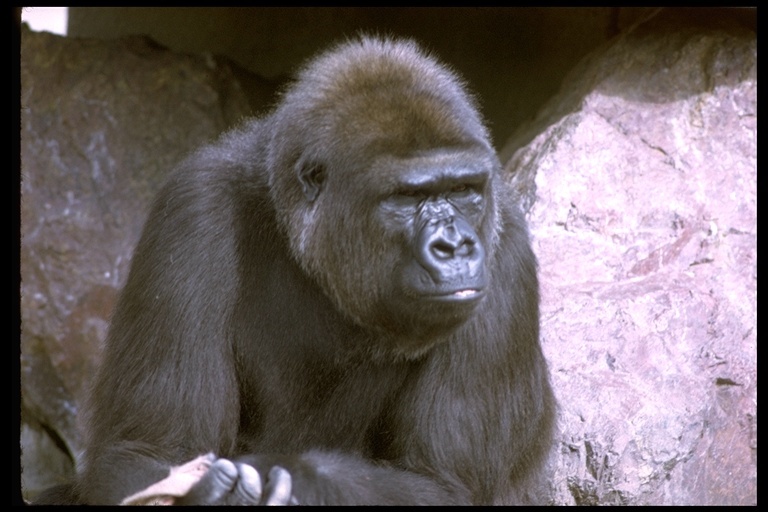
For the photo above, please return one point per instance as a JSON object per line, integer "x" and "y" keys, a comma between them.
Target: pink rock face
{"x": 643, "y": 191}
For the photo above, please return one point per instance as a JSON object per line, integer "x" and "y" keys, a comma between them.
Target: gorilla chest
{"x": 316, "y": 404}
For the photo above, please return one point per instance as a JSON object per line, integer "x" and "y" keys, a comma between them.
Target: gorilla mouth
{"x": 464, "y": 295}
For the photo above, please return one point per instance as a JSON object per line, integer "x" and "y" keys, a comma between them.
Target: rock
{"x": 641, "y": 185}
{"x": 101, "y": 124}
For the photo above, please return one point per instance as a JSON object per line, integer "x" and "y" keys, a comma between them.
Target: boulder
{"x": 641, "y": 182}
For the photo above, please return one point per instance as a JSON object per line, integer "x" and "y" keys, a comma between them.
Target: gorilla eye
{"x": 409, "y": 192}
{"x": 463, "y": 190}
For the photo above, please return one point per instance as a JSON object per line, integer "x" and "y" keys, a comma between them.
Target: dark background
{"x": 513, "y": 58}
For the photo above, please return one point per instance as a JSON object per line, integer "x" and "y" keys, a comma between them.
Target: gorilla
{"x": 338, "y": 300}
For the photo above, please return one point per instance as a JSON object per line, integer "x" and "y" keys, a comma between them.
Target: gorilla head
{"x": 384, "y": 177}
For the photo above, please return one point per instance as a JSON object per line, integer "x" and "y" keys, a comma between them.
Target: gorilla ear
{"x": 311, "y": 175}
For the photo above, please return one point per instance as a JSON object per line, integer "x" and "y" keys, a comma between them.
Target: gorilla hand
{"x": 236, "y": 483}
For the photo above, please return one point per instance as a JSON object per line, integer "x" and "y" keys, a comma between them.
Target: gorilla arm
{"x": 166, "y": 390}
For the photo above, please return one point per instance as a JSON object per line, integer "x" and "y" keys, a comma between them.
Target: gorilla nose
{"x": 450, "y": 243}
{"x": 450, "y": 251}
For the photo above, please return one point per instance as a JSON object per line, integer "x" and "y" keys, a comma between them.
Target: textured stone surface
{"x": 101, "y": 124}
{"x": 642, "y": 189}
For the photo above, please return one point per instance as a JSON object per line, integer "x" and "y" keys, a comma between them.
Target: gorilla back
{"x": 339, "y": 300}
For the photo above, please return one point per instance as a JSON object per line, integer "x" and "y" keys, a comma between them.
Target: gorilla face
{"x": 425, "y": 221}
{"x": 435, "y": 214}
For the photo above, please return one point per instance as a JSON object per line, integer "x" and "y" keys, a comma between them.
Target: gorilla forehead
{"x": 382, "y": 96}
{"x": 425, "y": 169}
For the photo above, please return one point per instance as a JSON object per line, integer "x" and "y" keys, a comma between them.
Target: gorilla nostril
{"x": 465, "y": 249}
{"x": 443, "y": 250}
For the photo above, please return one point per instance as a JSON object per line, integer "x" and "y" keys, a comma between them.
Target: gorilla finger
{"x": 279, "y": 487}
{"x": 248, "y": 488}
{"x": 214, "y": 486}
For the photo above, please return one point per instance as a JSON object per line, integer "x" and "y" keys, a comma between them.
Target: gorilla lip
{"x": 463, "y": 295}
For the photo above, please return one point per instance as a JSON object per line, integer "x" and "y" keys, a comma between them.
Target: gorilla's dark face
{"x": 389, "y": 203}
{"x": 434, "y": 215}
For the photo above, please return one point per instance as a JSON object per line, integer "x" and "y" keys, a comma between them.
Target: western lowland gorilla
{"x": 339, "y": 300}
